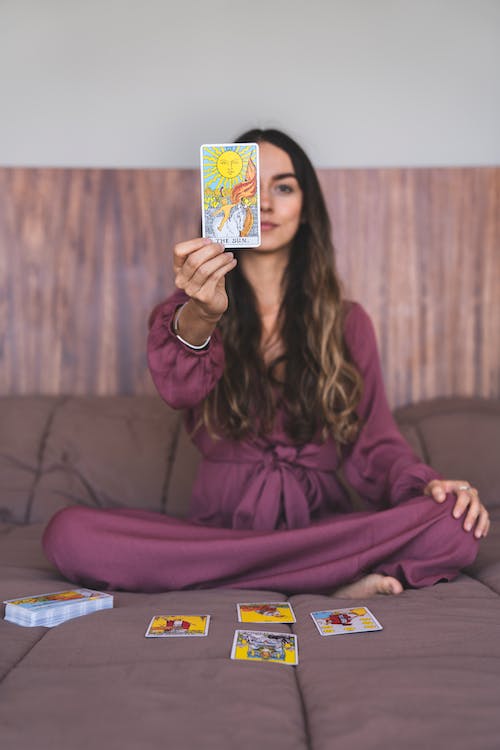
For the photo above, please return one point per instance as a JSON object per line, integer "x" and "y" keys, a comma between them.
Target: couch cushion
{"x": 24, "y": 424}
{"x": 460, "y": 438}
{"x": 100, "y": 451}
{"x": 182, "y": 475}
{"x": 486, "y": 567}
{"x": 429, "y": 679}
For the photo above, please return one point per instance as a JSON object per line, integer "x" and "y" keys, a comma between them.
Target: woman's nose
{"x": 265, "y": 199}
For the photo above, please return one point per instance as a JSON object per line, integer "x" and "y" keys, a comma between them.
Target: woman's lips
{"x": 267, "y": 225}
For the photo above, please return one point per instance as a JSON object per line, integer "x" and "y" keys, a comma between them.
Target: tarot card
{"x": 178, "y": 626}
{"x": 258, "y": 645}
{"x": 348, "y": 620}
{"x": 266, "y": 612}
{"x": 230, "y": 197}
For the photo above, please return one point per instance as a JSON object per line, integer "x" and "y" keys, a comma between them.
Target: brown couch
{"x": 430, "y": 679}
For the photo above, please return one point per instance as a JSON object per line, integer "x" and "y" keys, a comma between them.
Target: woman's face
{"x": 280, "y": 199}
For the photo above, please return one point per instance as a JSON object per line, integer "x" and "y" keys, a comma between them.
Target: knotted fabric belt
{"x": 281, "y": 490}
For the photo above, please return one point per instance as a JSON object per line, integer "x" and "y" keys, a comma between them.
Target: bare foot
{"x": 375, "y": 583}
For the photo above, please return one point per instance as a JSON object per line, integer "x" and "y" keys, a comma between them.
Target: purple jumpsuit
{"x": 266, "y": 513}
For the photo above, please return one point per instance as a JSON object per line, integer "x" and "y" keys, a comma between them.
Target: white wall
{"x": 144, "y": 82}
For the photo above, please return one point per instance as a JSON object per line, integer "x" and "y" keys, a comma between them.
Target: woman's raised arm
{"x": 185, "y": 352}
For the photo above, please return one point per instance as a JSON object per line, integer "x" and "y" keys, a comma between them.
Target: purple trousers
{"x": 419, "y": 542}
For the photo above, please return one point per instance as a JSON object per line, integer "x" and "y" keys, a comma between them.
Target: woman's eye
{"x": 284, "y": 188}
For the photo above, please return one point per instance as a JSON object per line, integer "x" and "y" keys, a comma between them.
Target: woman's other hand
{"x": 467, "y": 502}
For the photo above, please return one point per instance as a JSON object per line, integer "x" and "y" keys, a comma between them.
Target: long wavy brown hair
{"x": 319, "y": 385}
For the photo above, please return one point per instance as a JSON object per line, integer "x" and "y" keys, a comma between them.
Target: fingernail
{"x": 468, "y": 526}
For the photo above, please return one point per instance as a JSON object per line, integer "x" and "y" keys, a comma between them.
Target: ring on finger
{"x": 467, "y": 488}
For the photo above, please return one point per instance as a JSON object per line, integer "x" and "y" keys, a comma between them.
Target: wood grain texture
{"x": 85, "y": 255}
{"x": 420, "y": 248}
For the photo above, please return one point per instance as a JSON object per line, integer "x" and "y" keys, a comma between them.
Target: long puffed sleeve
{"x": 183, "y": 376}
{"x": 381, "y": 466}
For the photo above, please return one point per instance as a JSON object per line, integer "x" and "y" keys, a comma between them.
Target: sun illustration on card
{"x": 229, "y": 164}
{"x": 224, "y": 167}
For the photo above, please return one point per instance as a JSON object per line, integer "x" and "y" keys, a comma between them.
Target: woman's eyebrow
{"x": 284, "y": 176}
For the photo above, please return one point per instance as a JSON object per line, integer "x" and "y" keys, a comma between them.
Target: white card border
{"x": 266, "y": 622}
{"x": 345, "y": 609}
{"x": 178, "y": 635}
{"x": 266, "y": 632}
{"x": 257, "y": 165}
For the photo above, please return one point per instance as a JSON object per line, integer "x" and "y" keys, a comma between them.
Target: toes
{"x": 391, "y": 586}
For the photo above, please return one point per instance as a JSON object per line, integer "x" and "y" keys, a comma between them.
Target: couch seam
{"x": 22, "y": 657}
{"x": 170, "y": 465}
{"x": 41, "y": 455}
{"x": 305, "y": 717}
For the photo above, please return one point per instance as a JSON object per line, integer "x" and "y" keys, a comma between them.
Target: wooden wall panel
{"x": 85, "y": 254}
{"x": 420, "y": 248}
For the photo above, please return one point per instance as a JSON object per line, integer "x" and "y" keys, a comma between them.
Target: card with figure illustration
{"x": 259, "y": 645}
{"x": 266, "y": 612}
{"x": 230, "y": 198}
{"x": 178, "y": 626}
{"x": 347, "y": 620}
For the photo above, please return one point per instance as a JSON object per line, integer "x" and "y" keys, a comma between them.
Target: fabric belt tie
{"x": 280, "y": 489}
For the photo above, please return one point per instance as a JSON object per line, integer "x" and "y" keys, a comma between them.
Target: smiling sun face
{"x": 224, "y": 167}
{"x": 229, "y": 164}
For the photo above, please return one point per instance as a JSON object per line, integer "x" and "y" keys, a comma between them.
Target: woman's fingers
{"x": 464, "y": 499}
{"x": 187, "y": 263}
{"x": 205, "y": 270}
{"x": 467, "y": 502}
{"x": 215, "y": 284}
{"x": 477, "y": 515}
{"x": 188, "y": 256}
{"x": 483, "y": 523}
{"x": 200, "y": 266}
{"x": 182, "y": 249}
{"x": 436, "y": 489}
{"x": 473, "y": 510}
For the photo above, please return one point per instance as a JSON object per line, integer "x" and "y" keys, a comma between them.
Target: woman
{"x": 281, "y": 383}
